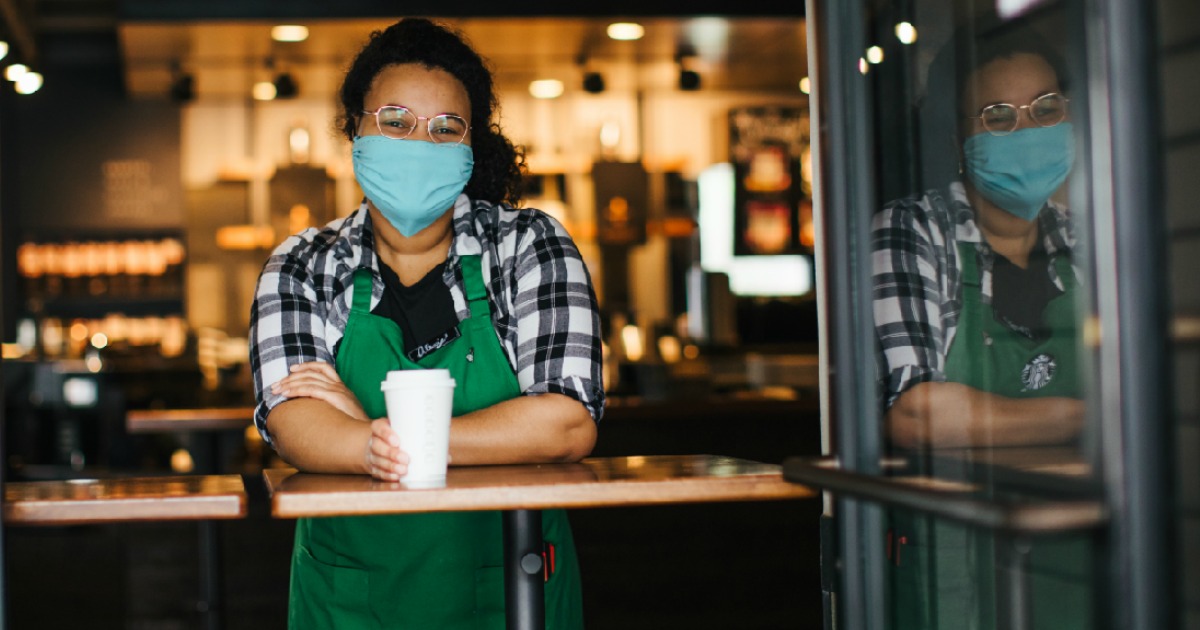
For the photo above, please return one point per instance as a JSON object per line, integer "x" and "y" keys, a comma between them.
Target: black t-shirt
{"x": 424, "y": 311}
{"x": 1020, "y": 296}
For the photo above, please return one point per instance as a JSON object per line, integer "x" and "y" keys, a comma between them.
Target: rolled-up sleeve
{"x": 909, "y": 260}
{"x": 287, "y": 326}
{"x": 558, "y": 340}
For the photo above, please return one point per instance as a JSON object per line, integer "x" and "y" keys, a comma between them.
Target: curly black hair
{"x": 499, "y": 165}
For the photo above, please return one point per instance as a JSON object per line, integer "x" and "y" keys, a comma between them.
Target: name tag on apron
{"x": 423, "y": 350}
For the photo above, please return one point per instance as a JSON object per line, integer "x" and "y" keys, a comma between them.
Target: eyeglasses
{"x": 397, "y": 123}
{"x": 1001, "y": 119}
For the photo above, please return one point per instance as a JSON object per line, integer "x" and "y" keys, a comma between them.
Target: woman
{"x": 434, "y": 270}
{"x": 975, "y": 304}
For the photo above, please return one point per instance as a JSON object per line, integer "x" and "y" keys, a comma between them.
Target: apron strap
{"x": 971, "y": 274}
{"x": 476, "y": 291}
{"x": 363, "y": 285}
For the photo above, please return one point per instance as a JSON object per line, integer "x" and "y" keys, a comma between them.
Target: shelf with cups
{"x": 127, "y": 287}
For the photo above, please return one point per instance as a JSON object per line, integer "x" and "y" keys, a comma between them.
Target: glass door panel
{"x": 981, "y": 329}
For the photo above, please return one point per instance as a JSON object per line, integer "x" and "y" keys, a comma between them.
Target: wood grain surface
{"x": 81, "y": 501}
{"x": 596, "y": 482}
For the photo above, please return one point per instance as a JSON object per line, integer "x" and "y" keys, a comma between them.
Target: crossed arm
{"x": 935, "y": 414}
{"x": 323, "y": 428}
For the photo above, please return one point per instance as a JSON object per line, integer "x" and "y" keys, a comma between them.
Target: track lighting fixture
{"x": 183, "y": 85}
{"x": 689, "y": 80}
{"x": 183, "y": 88}
{"x": 285, "y": 86}
{"x": 593, "y": 82}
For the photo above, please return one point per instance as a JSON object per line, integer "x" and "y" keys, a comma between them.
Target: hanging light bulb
{"x": 15, "y": 71}
{"x": 263, "y": 91}
{"x": 3, "y": 49}
{"x": 625, "y": 31}
{"x": 29, "y": 83}
{"x": 546, "y": 88}
{"x": 289, "y": 33}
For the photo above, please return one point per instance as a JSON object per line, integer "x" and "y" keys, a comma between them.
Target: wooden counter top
{"x": 632, "y": 408}
{"x": 82, "y": 501}
{"x": 595, "y": 482}
{"x": 203, "y": 419}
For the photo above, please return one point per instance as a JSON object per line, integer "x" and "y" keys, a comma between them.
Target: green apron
{"x": 437, "y": 570}
{"x": 944, "y": 574}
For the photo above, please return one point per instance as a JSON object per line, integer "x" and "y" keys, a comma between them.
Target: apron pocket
{"x": 489, "y": 597}
{"x": 326, "y": 596}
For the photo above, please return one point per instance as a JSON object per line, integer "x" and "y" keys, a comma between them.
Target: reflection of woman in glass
{"x": 974, "y": 291}
{"x": 975, "y": 312}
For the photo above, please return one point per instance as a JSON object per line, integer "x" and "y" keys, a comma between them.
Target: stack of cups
{"x": 419, "y": 406}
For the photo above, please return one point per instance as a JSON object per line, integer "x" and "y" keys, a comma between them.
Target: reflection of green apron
{"x": 944, "y": 575}
{"x": 439, "y": 570}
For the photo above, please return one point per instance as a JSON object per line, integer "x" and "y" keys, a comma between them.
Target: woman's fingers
{"x": 322, "y": 385}
{"x": 313, "y": 371}
{"x": 385, "y": 459}
{"x": 320, "y": 367}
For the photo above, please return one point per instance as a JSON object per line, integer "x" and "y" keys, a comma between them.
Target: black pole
{"x": 1138, "y": 448}
{"x": 524, "y": 582}
{"x": 3, "y": 424}
{"x": 844, "y": 202}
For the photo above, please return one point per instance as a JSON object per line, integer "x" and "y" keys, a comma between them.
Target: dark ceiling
{"x": 139, "y": 41}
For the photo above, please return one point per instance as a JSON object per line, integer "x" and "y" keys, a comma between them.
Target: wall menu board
{"x": 621, "y": 200}
{"x": 772, "y": 205}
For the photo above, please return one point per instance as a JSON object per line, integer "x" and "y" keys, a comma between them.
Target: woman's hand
{"x": 385, "y": 460}
{"x": 317, "y": 379}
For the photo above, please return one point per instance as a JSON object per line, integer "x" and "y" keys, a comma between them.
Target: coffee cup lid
{"x": 417, "y": 377}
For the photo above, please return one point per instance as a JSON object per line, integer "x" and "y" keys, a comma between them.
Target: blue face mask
{"x": 1019, "y": 171}
{"x": 412, "y": 182}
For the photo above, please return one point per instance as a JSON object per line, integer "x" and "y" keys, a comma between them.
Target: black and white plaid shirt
{"x": 543, "y": 305}
{"x": 917, "y": 280}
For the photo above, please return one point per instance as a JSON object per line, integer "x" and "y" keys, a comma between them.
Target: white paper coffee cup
{"x": 419, "y": 406}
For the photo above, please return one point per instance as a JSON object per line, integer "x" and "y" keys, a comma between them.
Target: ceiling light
{"x": 626, "y": 31}
{"x": 610, "y": 134}
{"x": 906, "y": 33}
{"x": 285, "y": 86}
{"x": 1007, "y": 9}
{"x": 15, "y": 71}
{"x": 289, "y": 33}
{"x": 546, "y": 88}
{"x": 862, "y": 65}
{"x": 263, "y": 91}
{"x": 3, "y": 49}
{"x": 29, "y": 83}
{"x": 806, "y": 85}
{"x": 593, "y": 82}
{"x": 875, "y": 54}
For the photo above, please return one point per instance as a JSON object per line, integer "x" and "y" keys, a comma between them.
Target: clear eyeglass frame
{"x": 992, "y": 116}
{"x": 441, "y": 129}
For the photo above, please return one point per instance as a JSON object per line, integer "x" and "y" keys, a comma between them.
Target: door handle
{"x": 950, "y": 500}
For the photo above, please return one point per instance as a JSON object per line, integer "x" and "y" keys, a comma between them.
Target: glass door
{"x": 995, "y": 322}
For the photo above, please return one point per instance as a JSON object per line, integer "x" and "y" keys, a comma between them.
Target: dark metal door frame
{"x": 1134, "y": 408}
{"x": 1136, "y": 447}
{"x": 857, "y": 599}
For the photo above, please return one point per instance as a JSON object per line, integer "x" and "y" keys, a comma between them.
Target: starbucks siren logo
{"x": 1037, "y": 373}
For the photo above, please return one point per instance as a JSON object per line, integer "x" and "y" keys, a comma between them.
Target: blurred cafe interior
{"x": 164, "y": 148}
